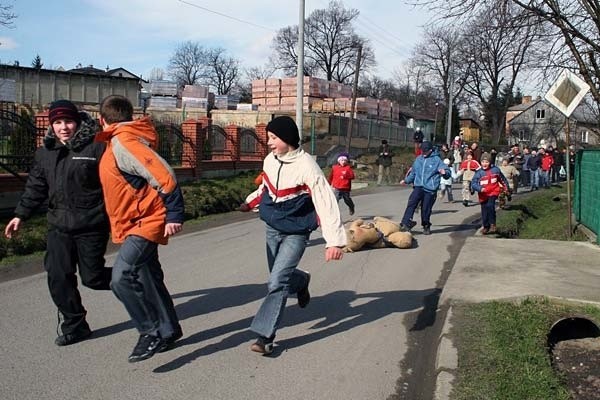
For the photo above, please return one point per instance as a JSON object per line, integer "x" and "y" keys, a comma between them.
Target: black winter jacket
{"x": 66, "y": 175}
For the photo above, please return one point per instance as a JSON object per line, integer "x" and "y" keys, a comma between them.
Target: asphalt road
{"x": 368, "y": 332}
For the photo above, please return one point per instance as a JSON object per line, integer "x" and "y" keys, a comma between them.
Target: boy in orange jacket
{"x": 145, "y": 206}
{"x": 340, "y": 178}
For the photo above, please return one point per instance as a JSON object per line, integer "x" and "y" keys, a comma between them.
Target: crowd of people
{"x": 492, "y": 175}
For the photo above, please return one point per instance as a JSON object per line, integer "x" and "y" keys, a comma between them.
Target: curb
{"x": 446, "y": 363}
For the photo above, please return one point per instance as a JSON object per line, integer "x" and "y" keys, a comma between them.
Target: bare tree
{"x": 493, "y": 52}
{"x": 223, "y": 71}
{"x": 188, "y": 65}
{"x": 575, "y": 27}
{"x": 377, "y": 88}
{"x": 500, "y": 44}
{"x": 157, "y": 74}
{"x": 331, "y": 45}
{"x": 244, "y": 85}
{"x": 434, "y": 54}
{"x": 7, "y": 17}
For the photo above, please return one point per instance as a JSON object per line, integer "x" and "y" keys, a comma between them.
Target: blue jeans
{"x": 488, "y": 212}
{"x": 283, "y": 256}
{"x": 544, "y": 178}
{"x": 534, "y": 178}
{"x": 137, "y": 280}
{"x": 426, "y": 198}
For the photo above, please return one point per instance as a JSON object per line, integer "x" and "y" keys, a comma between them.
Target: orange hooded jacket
{"x": 140, "y": 189}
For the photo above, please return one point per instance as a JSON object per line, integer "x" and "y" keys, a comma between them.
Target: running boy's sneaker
{"x": 303, "y": 294}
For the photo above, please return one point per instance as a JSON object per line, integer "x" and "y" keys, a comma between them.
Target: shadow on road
{"x": 452, "y": 228}
{"x": 203, "y": 301}
{"x": 334, "y": 313}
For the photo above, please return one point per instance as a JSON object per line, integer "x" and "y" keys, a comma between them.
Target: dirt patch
{"x": 579, "y": 362}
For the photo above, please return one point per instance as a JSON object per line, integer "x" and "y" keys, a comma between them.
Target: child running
{"x": 489, "y": 183}
{"x": 294, "y": 190}
{"x": 340, "y": 178}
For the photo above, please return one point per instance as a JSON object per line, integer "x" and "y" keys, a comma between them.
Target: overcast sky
{"x": 139, "y": 35}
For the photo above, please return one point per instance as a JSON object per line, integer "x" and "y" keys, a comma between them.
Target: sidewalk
{"x": 493, "y": 269}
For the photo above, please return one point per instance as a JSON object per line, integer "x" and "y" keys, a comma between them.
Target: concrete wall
{"x": 39, "y": 87}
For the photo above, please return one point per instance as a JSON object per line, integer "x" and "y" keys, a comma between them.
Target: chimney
{"x": 526, "y": 100}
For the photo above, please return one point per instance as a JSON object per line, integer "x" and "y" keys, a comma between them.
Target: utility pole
{"x": 353, "y": 105}
{"x": 300, "y": 72}
{"x": 437, "y": 104}
{"x": 450, "y": 98}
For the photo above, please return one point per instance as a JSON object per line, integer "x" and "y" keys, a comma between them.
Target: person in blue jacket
{"x": 425, "y": 174}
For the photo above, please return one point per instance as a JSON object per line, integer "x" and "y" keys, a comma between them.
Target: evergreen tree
{"x": 37, "y": 62}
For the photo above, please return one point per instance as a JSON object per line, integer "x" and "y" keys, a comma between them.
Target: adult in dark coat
{"x": 559, "y": 161}
{"x": 384, "y": 161}
{"x": 65, "y": 173}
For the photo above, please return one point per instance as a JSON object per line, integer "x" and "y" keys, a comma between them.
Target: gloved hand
{"x": 244, "y": 207}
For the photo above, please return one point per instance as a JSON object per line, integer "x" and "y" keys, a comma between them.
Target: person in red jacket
{"x": 340, "y": 178}
{"x": 489, "y": 183}
{"x": 547, "y": 162}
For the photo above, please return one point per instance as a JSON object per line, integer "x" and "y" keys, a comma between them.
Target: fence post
{"x": 313, "y": 139}
{"x": 369, "y": 134}
{"x": 261, "y": 134}
{"x": 232, "y": 144}
{"x": 194, "y": 133}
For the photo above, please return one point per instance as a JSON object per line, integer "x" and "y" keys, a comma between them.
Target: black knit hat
{"x": 64, "y": 109}
{"x": 285, "y": 129}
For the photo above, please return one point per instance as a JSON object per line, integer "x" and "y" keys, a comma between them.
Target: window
{"x": 585, "y": 135}
{"x": 540, "y": 114}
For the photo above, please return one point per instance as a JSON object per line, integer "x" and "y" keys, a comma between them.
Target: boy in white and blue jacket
{"x": 446, "y": 183}
{"x": 295, "y": 198}
{"x": 425, "y": 173}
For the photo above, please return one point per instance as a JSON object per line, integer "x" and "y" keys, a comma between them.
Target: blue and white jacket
{"x": 295, "y": 197}
{"x": 425, "y": 172}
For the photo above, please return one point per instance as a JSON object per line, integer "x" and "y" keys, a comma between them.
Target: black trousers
{"x": 64, "y": 252}
{"x": 345, "y": 195}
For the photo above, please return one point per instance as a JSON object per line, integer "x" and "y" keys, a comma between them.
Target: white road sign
{"x": 567, "y": 92}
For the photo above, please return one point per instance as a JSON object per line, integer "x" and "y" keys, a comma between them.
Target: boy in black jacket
{"x": 65, "y": 173}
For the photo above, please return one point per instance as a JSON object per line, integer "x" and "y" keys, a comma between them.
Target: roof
{"x": 524, "y": 106}
{"x": 583, "y": 113}
{"x": 88, "y": 70}
{"x": 416, "y": 114}
{"x": 116, "y": 70}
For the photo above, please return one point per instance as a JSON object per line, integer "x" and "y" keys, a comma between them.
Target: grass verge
{"x": 538, "y": 215}
{"x": 502, "y": 346}
{"x": 502, "y": 349}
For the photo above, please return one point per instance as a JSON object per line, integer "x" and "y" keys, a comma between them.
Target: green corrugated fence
{"x": 586, "y": 195}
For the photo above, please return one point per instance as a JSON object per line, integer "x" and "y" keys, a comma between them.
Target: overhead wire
{"x": 365, "y": 27}
{"x": 226, "y": 15}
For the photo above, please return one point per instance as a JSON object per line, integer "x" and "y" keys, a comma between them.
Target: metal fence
{"x": 18, "y": 139}
{"x": 371, "y": 129}
{"x": 587, "y": 190}
{"x": 170, "y": 141}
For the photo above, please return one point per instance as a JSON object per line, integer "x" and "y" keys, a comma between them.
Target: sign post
{"x": 565, "y": 94}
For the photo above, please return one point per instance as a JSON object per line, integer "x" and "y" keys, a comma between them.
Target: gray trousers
{"x": 138, "y": 281}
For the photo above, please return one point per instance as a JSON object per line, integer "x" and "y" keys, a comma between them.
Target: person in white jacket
{"x": 295, "y": 198}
